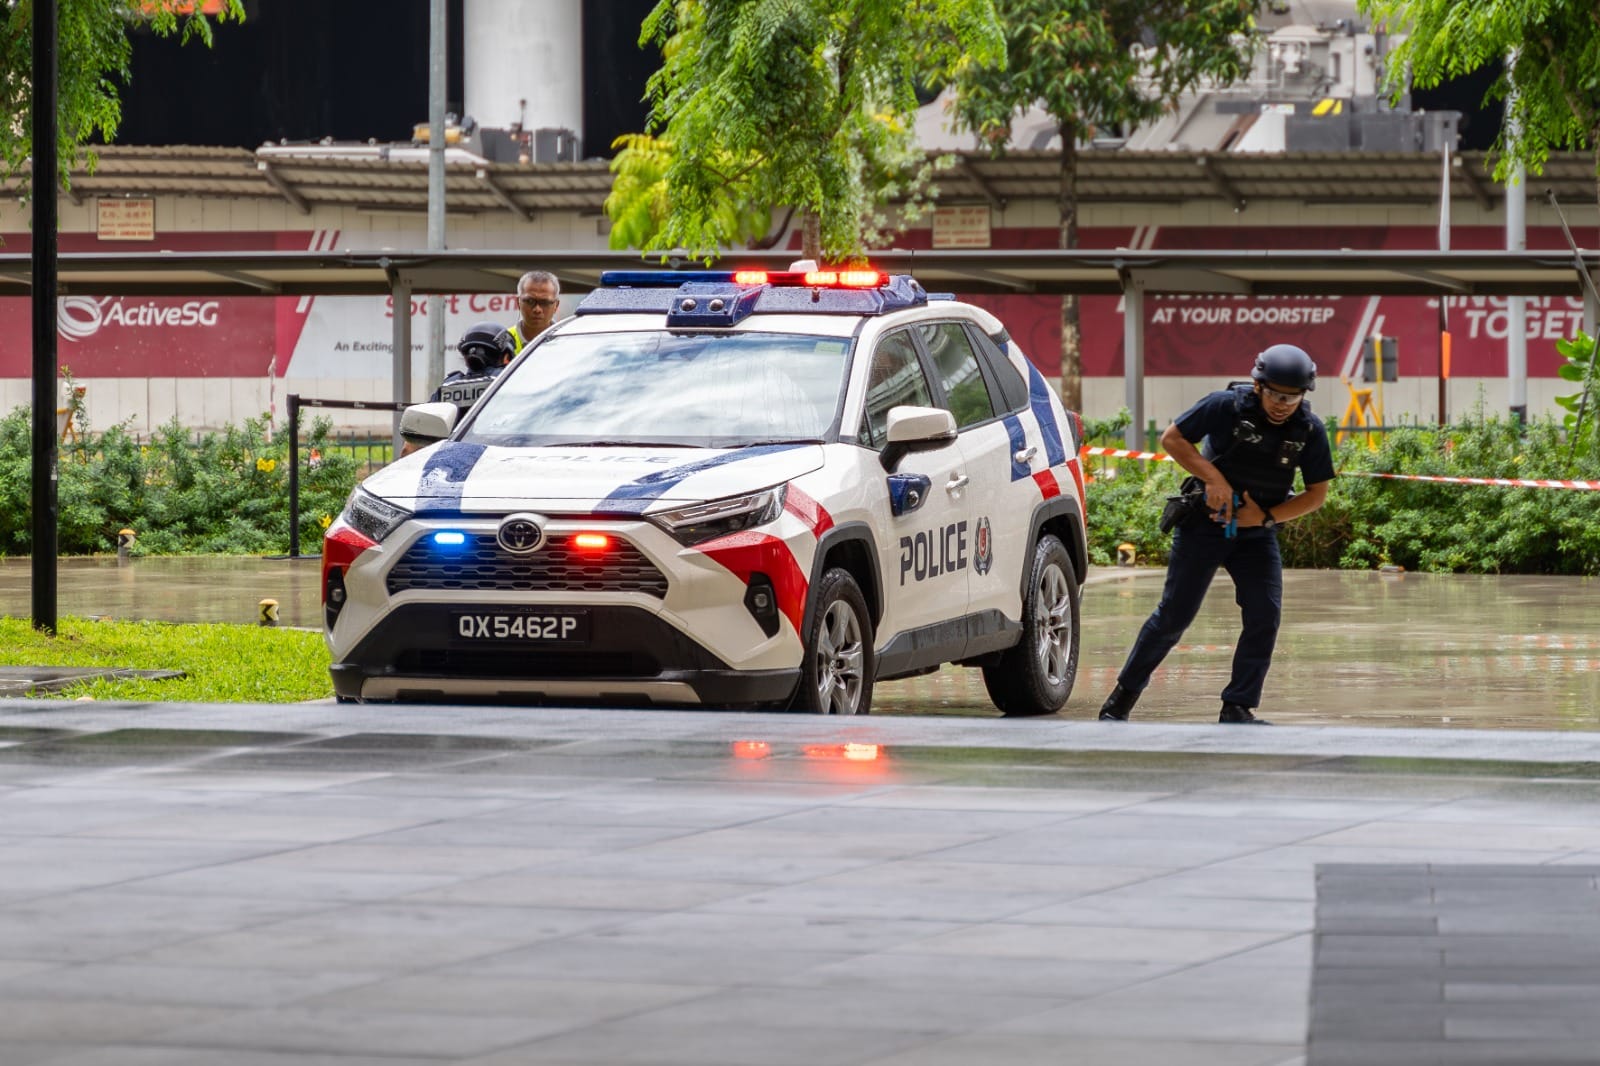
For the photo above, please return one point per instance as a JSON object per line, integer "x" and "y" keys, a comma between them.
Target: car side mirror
{"x": 916, "y": 429}
{"x": 424, "y": 423}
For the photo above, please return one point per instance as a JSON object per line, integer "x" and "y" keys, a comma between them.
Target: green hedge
{"x": 228, "y": 492}
{"x": 1369, "y": 522}
{"x": 182, "y": 493}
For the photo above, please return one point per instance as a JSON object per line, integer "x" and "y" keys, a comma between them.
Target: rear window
{"x": 1013, "y": 387}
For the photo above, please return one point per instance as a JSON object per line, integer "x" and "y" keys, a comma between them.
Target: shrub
{"x": 1418, "y": 525}
{"x": 182, "y": 493}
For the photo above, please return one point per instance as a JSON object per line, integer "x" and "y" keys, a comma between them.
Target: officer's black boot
{"x": 1118, "y": 705}
{"x": 1239, "y": 714}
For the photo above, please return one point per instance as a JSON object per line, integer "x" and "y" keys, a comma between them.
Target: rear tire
{"x": 1035, "y": 676}
{"x": 836, "y": 676}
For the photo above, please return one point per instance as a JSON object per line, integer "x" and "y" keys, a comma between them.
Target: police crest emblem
{"x": 983, "y": 547}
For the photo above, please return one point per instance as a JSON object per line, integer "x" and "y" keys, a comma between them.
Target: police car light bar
{"x": 660, "y": 279}
{"x": 816, "y": 279}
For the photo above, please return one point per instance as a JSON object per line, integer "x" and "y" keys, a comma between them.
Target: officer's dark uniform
{"x": 485, "y": 348}
{"x": 1258, "y": 457}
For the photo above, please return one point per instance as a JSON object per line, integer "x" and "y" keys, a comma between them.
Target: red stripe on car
{"x": 747, "y": 553}
{"x": 808, "y": 511}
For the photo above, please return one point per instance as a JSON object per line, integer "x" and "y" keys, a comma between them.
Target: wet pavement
{"x": 1423, "y": 650}
{"x": 320, "y": 884}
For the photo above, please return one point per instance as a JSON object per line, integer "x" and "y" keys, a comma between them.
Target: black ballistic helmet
{"x": 1286, "y": 365}
{"x": 486, "y": 344}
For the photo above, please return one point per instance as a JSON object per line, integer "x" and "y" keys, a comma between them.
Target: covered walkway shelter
{"x": 1132, "y": 274}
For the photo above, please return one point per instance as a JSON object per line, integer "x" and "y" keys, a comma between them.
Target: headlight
{"x": 703, "y": 521}
{"x": 372, "y": 516}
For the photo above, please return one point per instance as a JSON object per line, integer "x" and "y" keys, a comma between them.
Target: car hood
{"x": 455, "y": 476}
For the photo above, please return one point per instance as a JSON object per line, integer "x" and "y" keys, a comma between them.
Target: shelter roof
{"x": 1241, "y": 273}
{"x": 392, "y": 178}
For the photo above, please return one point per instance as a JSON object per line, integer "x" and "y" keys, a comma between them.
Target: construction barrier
{"x": 296, "y": 402}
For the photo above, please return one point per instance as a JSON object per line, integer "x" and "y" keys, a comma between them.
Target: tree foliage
{"x": 92, "y": 52}
{"x": 805, "y": 104}
{"x": 1094, "y": 66}
{"x": 1556, "y": 75}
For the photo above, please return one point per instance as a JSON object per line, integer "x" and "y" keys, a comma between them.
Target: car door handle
{"x": 956, "y": 483}
{"x": 1024, "y": 455}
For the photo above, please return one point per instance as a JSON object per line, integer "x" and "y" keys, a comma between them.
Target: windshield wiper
{"x": 622, "y": 444}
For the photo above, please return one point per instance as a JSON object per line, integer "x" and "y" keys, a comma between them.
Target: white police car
{"x": 725, "y": 489}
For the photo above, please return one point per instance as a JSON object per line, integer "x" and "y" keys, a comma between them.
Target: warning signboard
{"x": 962, "y": 226}
{"x": 125, "y": 220}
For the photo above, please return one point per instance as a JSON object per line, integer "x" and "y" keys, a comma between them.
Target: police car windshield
{"x": 700, "y": 389}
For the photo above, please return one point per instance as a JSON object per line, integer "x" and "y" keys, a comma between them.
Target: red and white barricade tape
{"x": 1501, "y": 482}
{"x": 1124, "y": 453}
{"x": 1498, "y": 482}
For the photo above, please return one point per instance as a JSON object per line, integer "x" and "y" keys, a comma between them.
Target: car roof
{"x": 760, "y": 301}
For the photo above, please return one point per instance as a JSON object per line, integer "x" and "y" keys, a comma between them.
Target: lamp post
{"x": 44, "y": 315}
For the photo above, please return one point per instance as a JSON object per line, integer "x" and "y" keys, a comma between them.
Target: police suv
{"x": 726, "y": 489}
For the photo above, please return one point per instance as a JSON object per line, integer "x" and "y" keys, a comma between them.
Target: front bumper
{"x": 632, "y": 657}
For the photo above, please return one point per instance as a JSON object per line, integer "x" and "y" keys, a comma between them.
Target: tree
{"x": 804, "y": 104}
{"x": 93, "y": 48}
{"x": 1096, "y": 65}
{"x": 1552, "y": 90}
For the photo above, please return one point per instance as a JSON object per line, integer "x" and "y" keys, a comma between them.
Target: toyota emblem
{"x": 521, "y": 534}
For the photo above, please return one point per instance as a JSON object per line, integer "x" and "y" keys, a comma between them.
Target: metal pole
{"x": 1133, "y": 358}
{"x": 45, "y": 517}
{"x": 1516, "y": 241}
{"x": 401, "y": 362}
{"x": 1444, "y": 299}
{"x": 294, "y": 475}
{"x": 436, "y": 194}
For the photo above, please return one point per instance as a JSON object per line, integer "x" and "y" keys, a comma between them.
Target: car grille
{"x": 523, "y": 664}
{"x": 481, "y": 565}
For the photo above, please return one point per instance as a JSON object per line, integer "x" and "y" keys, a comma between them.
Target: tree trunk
{"x": 811, "y": 237}
{"x": 1067, "y": 203}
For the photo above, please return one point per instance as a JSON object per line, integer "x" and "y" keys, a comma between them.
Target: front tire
{"x": 836, "y": 677}
{"x": 1035, "y": 676}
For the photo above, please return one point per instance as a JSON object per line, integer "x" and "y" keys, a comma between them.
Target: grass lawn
{"x": 223, "y": 663}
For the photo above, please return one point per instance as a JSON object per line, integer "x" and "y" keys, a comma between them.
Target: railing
{"x": 296, "y": 402}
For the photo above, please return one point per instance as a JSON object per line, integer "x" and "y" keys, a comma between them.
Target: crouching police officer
{"x": 1257, "y": 434}
{"x": 485, "y": 349}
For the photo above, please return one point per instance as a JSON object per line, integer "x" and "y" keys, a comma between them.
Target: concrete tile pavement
{"x": 273, "y": 885}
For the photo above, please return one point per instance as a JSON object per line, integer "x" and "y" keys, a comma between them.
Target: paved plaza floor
{"x": 361, "y": 885}
{"x": 1356, "y": 648}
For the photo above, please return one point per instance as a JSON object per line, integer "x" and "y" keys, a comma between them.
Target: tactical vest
{"x": 463, "y": 389}
{"x": 1261, "y": 457}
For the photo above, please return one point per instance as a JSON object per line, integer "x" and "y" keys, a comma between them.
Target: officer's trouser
{"x": 1252, "y": 560}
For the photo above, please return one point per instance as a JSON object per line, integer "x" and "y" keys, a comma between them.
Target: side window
{"x": 958, "y": 370}
{"x": 1013, "y": 386}
{"x": 896, "y": 379}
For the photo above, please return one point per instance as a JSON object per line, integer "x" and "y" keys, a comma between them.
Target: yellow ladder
{"x": 1362, "y": 411}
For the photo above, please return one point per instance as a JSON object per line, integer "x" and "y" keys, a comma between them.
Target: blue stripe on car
{"x": 445, "y": 475}
{"x": 636, "y": 496}
{"x": 1019, "y": 441}
{"x": 1039, "y": 398}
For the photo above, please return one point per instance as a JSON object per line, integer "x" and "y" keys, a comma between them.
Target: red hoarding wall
{"x": 109, "y": 337}
{"x": 1215, "y": 336}
{"x": 135, "y": 336}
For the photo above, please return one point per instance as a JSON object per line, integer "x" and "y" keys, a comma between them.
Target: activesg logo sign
{"x": 81, "y": 317}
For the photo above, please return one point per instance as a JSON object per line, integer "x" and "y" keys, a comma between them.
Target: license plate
{"x": 527, "y": 627}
